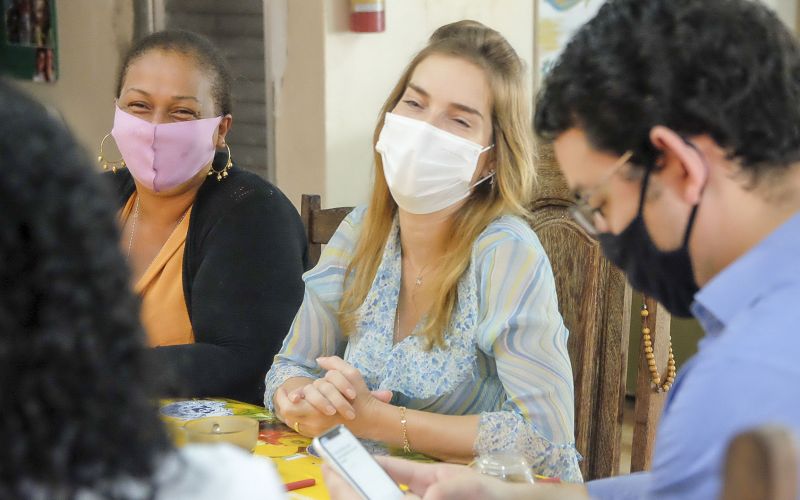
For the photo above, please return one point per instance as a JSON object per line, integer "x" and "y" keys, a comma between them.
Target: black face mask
{"x": 666, "y": 276}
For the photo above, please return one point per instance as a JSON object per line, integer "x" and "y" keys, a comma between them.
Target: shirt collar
{"x": 773, "y": 262}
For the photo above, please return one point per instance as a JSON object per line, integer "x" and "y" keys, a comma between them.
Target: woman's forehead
{"x": 169, "y": 73}
{"x": 455, "y": 80}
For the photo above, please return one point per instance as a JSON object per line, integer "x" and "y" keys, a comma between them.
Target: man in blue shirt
{"x": 677, "y": 125}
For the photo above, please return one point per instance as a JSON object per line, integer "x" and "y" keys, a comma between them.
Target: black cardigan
{"x": 244, "y": 256}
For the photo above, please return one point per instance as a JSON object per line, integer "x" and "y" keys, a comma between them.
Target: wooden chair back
{"x": 762, "y": 464}
{"x": 320, "y": 224}
{"x": 595, "y": 302}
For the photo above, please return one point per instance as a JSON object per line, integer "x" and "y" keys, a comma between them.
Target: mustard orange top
{"x": 164, "y": 314}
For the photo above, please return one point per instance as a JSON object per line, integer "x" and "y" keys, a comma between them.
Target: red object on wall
{"x": 367, "y": 16}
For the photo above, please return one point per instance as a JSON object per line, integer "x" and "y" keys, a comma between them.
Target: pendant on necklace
{"x": 418, "y": 281}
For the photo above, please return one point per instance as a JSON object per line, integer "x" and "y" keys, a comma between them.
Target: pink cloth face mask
{"x": 165, "y": 155}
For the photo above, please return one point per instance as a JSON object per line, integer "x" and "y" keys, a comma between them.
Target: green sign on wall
{"x": 28, "y": 40}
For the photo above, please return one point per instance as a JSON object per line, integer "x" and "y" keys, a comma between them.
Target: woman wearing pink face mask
{"x": 431, "y": 321}
{"x": 216, "y": 252}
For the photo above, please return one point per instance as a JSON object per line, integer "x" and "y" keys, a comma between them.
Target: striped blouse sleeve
{"x": 315, "y": 330}
{"x": 521, "y": 327}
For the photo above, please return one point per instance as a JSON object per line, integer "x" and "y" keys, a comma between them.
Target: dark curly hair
{"x": 204, "y": 52}
{"x": 76, "y": 392}
{"x": 726, "y": 68}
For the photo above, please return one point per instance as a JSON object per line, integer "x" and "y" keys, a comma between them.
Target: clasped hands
{"x": 340, "y": 397}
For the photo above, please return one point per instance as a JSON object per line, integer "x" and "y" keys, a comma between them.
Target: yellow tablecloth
{"x": 287, "y": 450}
{"x": 277, "y": 442}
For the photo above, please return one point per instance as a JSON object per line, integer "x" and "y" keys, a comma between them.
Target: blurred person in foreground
{"x": 77, "y": 390}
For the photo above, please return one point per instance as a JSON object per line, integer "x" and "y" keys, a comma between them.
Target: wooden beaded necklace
{"x": 647, "y": 344}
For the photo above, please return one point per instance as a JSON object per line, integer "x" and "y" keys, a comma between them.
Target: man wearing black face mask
{"x": 665, "y": 275}
{"x": 677, "y": 125}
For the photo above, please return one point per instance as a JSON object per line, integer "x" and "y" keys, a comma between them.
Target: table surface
{"x": 277, "y": 442}
{"x": 287, "y": 449}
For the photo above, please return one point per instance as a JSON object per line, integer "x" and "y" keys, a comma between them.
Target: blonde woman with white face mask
{"x": 431, "y": 321}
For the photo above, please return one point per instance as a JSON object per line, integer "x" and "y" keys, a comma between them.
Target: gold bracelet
{"x": 403, "y": 421}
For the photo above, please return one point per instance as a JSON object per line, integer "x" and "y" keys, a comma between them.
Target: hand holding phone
{"x": 340, "y": 448}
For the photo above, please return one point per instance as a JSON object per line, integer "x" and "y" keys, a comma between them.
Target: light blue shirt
{"x": 746, "y": 373}
{"x": 505, "y": 356}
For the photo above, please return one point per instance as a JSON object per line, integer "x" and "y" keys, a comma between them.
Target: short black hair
{"x": 204, "y": 52}
{"x": 726, "y": 68}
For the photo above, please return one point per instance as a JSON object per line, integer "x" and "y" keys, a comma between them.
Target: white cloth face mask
{"x": 426, "y": 168}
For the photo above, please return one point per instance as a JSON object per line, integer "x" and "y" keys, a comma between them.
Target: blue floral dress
{"x": 504, "y": 355}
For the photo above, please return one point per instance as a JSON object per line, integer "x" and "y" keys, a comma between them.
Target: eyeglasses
{"x": 586, "y": 215}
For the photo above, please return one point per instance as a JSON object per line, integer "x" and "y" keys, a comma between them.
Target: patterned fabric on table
{"x": 505, "y": 355}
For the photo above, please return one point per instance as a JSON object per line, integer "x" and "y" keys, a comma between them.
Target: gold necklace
{"x": 396, "y": 334}
{"x": 420, "y": 274}
{"x": 647, "y": 343}
{"x": 417, "y": 286}
{"x": 133, "y": 229}
{"x": 133, "y": 226}
{"x": 418, "y": 281}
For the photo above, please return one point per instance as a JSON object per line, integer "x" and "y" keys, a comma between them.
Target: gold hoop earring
{"x": 223, "y": 174}
{"x": 114, "y": 164}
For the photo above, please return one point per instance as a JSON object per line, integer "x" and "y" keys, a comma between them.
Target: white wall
{"x": 297, "y": 78}
{"x": 91, "y": 37}
{"x": 786, "y": 9}
{"x": 359, "y": 71}
{"x": 328, "y": 86}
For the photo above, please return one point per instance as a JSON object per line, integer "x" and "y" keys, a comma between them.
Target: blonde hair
{"x": 514, "y": 178}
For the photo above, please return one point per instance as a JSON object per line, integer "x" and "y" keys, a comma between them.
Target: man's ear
{"x": 682, "y": 166}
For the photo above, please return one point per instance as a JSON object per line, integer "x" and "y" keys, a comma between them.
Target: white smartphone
{"x": 340, "y": 448}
